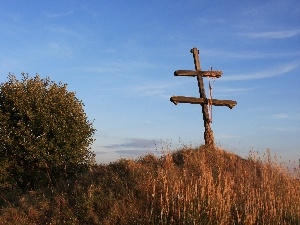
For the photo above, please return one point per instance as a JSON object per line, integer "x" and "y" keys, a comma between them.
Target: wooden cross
{"x": 203, "y": 101}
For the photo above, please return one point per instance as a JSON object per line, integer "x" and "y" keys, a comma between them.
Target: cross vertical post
{"x": 208, "y": 133}
{"x": 203, "y": 101}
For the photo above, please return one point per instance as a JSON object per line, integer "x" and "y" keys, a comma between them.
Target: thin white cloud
{"x": 64, "y": 31}
{"x": 263, "y": 14}
{"x": 62, "y": 14}
{"x": 152, "y": 89}
{"x": 273, "y": 34}
{"x": 286, "y": 129}
{"x": 108, "y": 68}
{"x": 226, "y": 92}
{"x": 235, "y": 90}
{"x": 59, "y": 50}
{"x": 205, "y": 20}
{"x": 250, "y": 54}
{"x": 280, "y": 116}
{"x": 117, "y": 66}
{"x": 156, "y": 88}
{"x": 279, "y": 129}
{"x": 280, "y": 70}
{"x": 8, "y": 63}
{"x": 132, "y": 152}
{"x": 134, "y": 143}
{"x": 226, "y": 136}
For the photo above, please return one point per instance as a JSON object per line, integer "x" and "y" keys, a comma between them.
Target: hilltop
{"x": 188, "y": 186}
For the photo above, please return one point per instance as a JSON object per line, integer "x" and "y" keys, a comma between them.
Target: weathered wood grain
{"x": 193, "y": 100}
{"x": 194, "y": 73}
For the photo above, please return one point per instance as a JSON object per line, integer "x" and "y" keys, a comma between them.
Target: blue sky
{"x": 119, "y": 57}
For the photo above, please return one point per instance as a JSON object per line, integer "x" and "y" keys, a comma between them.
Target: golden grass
{"x": 189, "y": 186}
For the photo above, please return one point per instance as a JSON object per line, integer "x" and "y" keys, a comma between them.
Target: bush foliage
{"x": 44, "y": 132}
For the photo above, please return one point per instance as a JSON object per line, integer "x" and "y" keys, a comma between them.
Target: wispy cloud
{"x": 134, "y": 143}
{"x": 59, "y": 50}
{"x": 291, "y": 116}
{"x": 63, "y": 31}
{"x": 226, "y": 136}
{"x": 104, "y": 68}
{"x": 280, "y": 129}
{"x": 264, "y": 14}
{"x": 61, "y": 14}
{"x": 273, "y": 34}
{"x": 221, "y": 92}
{"x": 162, "y": 89}
{"x": 280, "y": 116}
{"x": 235, "y": 90}
{"x": 205, "y": 20}
{"x": 280, "y": 70}
{"x": 152, "y": 89}
{"x": 250, "y": 54}
{"x": 131, "y": 152}
{"x": 116, "y": 66}
{"x": 12, "y": 63}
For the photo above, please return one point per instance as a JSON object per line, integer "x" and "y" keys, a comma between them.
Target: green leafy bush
{"x": 44, "y": 132}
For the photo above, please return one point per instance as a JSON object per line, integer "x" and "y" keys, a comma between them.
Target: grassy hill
{"x": 189, "y": 186}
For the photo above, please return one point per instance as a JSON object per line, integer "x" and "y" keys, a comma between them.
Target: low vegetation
{"x": 189, "y": 186}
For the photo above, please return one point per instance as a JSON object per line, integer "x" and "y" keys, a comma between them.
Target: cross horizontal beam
{"x": 193, "y": 100}
{"x": 194, "y": 73}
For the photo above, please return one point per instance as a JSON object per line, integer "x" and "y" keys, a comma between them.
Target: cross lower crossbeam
{"x": 192, "y": 100}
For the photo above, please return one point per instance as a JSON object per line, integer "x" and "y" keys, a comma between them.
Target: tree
{"x": 44, "y": 132}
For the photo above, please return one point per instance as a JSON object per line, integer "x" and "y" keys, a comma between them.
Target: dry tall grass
{"x": 190, "y": 186}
